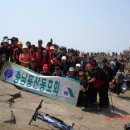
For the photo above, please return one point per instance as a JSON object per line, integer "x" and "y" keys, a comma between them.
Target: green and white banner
{"x": 58, "y": 88}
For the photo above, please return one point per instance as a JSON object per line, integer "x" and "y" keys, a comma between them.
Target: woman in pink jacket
{"x": 24, "y": 57}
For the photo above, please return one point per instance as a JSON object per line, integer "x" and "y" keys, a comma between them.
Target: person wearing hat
{"x": 45, "y": 70}
{"x": 24, "y": 57}
{"x": 52, "y": 52}
{"x": 51, "y": 57}
{"x": 52, "y": 48}
{"x": 77, "y": 69}
{"x": 63, "y": 58}
{"x": 64, "y": 65}
{"x": 71, "y": 73}
{"x": 17, "y": 53}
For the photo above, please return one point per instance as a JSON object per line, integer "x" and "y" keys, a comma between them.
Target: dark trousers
{"x": 118, "y": 88}
{"x": 82, "y": 99}
{"x": 103, "y": 96}
{"x": 87, "y": 98}
{"x": 90, "y": 96}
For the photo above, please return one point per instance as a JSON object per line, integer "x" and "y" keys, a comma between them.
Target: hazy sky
{"x": 87, "y": 25}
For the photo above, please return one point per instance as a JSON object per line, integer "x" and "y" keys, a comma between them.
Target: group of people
{"x": 51, "y": 60}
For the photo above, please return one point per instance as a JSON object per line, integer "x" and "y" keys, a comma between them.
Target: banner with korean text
{"x": 58, "y": 88}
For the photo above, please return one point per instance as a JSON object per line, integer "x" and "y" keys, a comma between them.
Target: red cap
{"x": 45, "y": 66}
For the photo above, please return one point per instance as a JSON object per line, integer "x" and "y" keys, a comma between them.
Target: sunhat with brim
{"x": 24, "y": 46}
{"x": 71, "y": 69}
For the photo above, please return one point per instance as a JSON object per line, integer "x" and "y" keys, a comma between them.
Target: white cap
{"x": 24, "y": 46}
{"x": 63, "y": 58}
{"x": 77, "y": 65}
{"x": 52, "y": 48}
{"x": 71, "y": 69}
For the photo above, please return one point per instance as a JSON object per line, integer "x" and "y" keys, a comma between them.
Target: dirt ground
{"x": 24, "y": 107}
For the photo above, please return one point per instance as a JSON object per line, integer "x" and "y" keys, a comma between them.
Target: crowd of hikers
{"x": 96, "y": 74}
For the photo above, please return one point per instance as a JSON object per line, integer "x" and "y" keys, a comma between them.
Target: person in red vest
{"x": 39, "y": 59}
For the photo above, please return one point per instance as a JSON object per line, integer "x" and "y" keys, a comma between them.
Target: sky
{"x": 86, "y": 25}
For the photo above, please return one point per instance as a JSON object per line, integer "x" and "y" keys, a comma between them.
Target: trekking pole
{"x": 111, "y": 102}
